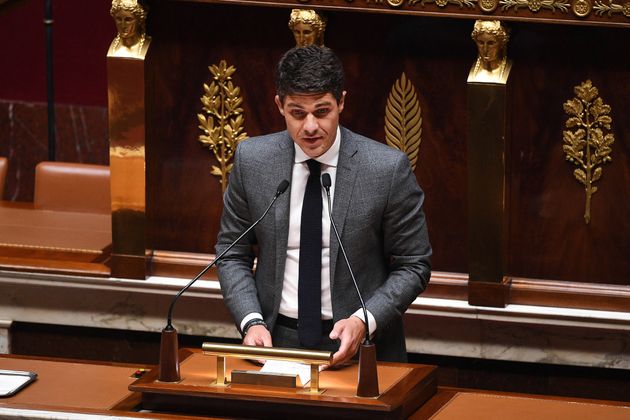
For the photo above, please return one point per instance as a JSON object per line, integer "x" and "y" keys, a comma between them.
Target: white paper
{"x": 303, "y": 371}
{"x": 10, "y": 382}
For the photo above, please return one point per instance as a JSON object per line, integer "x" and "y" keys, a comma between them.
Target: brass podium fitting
{"x": 314, "y": 358}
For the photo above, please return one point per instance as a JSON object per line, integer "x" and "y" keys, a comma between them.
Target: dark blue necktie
{"x": 310, "y": 281}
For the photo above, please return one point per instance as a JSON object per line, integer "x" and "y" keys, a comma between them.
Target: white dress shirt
{"x": 328, "y": 161}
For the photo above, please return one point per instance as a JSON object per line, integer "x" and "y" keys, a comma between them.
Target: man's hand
{"x": 257, "y": 335}
{"x": 351, "y": 332}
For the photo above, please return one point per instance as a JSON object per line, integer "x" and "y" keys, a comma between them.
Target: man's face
{"x": 312, "y": 120}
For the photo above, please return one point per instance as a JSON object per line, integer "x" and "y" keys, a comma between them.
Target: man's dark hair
{"x": 311, "y": 69}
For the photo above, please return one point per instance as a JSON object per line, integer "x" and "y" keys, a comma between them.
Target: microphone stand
{"x": 368, "y": 377}
{"x": 169, "y": 357}
{"x": 48, "y": 22}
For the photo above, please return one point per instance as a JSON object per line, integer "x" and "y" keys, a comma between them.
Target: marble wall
{"x": 81, "y": 136}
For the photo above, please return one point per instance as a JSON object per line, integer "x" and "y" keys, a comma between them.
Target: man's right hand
{"x": 257, "y": 335}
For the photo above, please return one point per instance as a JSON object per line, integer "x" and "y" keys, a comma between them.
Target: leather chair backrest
{"x": 4, "y": 166}
{"x": 79, "y": 187}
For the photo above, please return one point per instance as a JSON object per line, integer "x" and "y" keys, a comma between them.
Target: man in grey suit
{"x": 377, "y": 209}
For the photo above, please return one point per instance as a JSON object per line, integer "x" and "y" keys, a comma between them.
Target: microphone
{"x": 326, "y": 182}
{"x": 368, "y": 378}
{"x": 169, "y": 359}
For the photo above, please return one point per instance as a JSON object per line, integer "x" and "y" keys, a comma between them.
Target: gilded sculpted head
{"x": 491, "y": 65}
{"x": 307, "y": 26}
{"x": 491, "y": 38}
{"x": 130, "y": 17}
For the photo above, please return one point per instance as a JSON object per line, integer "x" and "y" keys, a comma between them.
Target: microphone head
{"x": 282, "y": 187}
{"x": 326, "y": 182}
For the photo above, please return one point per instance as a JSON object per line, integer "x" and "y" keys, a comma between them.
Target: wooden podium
{"x": 404, "y": 388}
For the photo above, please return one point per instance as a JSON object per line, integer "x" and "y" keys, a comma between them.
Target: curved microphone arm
{"x": 281, "y": 189}
{"x": 326, "y": 182}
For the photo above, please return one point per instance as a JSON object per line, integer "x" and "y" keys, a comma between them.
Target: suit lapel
{"x": 344, "y": 186}
{"x": 283, "y": 169}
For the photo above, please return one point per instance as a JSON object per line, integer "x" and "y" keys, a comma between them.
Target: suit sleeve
{"x": 406, "y": 247}
{"x": 236, "y": 268}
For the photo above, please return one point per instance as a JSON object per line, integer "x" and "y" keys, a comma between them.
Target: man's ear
{"x": 279, "y": 105}
{"x": 342, "y": 101}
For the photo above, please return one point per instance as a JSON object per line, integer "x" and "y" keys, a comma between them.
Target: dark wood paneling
{"x": 184, "y": 199}
{"x": 534, "y": 378}
{"x": 483, "y": 293}
{"x": 566, "y": 294}
{"x": 548, "y": 237}
{"x": 95, "y": 343}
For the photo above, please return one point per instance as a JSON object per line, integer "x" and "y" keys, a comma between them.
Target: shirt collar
{"x": 330, "y": 158}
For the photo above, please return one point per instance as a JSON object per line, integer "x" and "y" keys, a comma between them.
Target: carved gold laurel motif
{"x": 222, "y": 119}
{"x": 580, "y": 8}
{"x": 535, "y": 5}
{"x": 403, "y": 119}
{"x": 587, "y": 145}
{"x": 612, "y": 8}
{"x": 444, "y": 3}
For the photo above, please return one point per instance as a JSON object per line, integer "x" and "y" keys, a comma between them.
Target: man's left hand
{"x": 350, "y": 332}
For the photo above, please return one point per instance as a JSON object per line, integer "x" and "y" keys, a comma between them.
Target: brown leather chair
{"x": 79, "y": 187}
{"x": 4, "y": 166}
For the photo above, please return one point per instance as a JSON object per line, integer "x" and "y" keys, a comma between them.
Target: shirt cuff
{"x": 253, "y": 315}
{"x": 359, "y": 314}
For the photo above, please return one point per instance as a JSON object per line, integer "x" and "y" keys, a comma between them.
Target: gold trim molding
{"x": 444, "y": 3}
{"x": 587, "y": 145}
{"x": 403, "y": 119}
{"x": 535, "y": 5}
{"x": 574, "y": 10}
{"x": 612, "y": 8}
{"x": 222, "y": 120}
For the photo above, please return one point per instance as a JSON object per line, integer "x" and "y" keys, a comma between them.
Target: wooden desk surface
{"x": 29, "y": 227}
{"x": 481, "y": 406}
{"x": 470, "y": 404}
{"x": 70, "y": 384}
{"x": 56, "y": 241}
{"x": 403, "y": 388}
{"x": 76, "y": 389}
{"x": 66, "y": 386}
